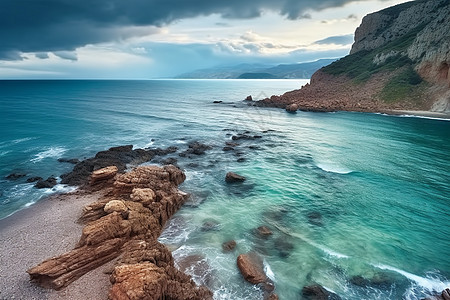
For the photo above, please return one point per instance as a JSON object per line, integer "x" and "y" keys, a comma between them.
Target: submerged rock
{"x": 233, "y": 177}
{"x": 210, "y": 225}
{"x": 73, "y": 161}
{"x": 229, "y": 246}
{"x": 317, "y": 292}
{"x": 263, "y": 231}
{"x": 46, "y": 184}
{"x": 283, "y": 246}
{"x": 195, "y": 148}
{"x": 315, "y": 218}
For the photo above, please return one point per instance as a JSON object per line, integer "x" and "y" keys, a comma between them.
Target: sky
{"x": 144, "y": 39}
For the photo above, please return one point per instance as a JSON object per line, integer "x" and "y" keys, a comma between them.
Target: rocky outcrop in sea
{"x": 123, "y": 225}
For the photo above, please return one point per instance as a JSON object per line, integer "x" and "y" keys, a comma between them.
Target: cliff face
{"x": 400, "y": 60}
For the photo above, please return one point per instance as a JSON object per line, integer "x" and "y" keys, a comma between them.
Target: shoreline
{"x": 420, "y": 114}
{"x": 45, "y": 229}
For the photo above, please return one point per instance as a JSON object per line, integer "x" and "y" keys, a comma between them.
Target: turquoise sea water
{"x": 345, "y": 194}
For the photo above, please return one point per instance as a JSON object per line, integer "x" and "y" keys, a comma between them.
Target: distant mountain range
{"x": 259, "y": 71}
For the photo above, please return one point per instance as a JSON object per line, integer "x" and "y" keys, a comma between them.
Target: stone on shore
{"x": 125, "y": 223}
{"x": 115, "y": 206}
{"x": 233, "y": 177}
{"x": 103, "y": 174}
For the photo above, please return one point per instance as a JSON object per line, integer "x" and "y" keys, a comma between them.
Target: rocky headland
{"x": 399, "y": 62}
{"x": 123, "y": 225}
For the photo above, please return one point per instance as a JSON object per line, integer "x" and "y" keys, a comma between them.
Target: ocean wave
{"x": 50, "y": 152}
{"x": 423, "y": 117}
{"x": 268, "y": 271}
{"x": 326, "y": 250}
{"x": 61, "y": 189}
{"x": 331, "y": 168}
{"x": 16, "y": 141}
{"x": 427, "y": 284}
{"x": 2, "y": 153}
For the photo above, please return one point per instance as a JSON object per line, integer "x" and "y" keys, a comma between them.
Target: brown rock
{"x": 264, "y": 231}
{"x": 272, "y": 297}
{"x": 251, "y": 268}
{"x": 144, "y": 196}
{"x": 249, "y": 98}
{"x": 292, "y": 108}
{"x": 103, "y": 174}
{"x": 126, "y": 222}
{"x": 115, "y": 206}
{"x": 233, "y": 177}
{"x": 229, "y": 246}
{"x": 60, "y": 271}
{"x": 446, "y": 294}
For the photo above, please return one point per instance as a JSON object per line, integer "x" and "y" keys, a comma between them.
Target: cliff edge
{"x": 399, "y": 61}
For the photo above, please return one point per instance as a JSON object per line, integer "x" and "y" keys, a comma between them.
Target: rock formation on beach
{"x": 124, "y": 226}
{"x": 400, "y": 60}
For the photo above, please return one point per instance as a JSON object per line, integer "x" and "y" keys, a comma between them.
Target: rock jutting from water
{"x": 124, "y": 224}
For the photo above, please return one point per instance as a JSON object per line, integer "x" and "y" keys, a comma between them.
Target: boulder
{"x": 229, "y": 246}
{"x": 34, "y": 179}
{"x": 249, "y": 98}
{"x": 251, "y": 268}
{"x": 115, "y": 206}
{"x": 233, "y": 177}
{"x": 317, "y": 292}
{"x": 15, "y": 176}
{"x": 217, "y": 102}
{"x": 103, "y": 174}
{"x": 195, "y": 148}
{"x": 46, "y": 184}
{"x": 292, "y": 108}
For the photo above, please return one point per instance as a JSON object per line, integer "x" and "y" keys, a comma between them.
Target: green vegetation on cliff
{"x": 361, "y": 65}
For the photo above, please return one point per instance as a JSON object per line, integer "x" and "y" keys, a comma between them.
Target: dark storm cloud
{"x": 64, "y": 25}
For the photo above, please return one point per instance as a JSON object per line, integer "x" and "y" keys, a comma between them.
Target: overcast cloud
{"x": 64, "y": 25}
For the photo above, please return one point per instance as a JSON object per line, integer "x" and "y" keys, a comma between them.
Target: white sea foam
{"x": 331, "y": 168}
{"x": 14, "y": 142}
{"x": 4, "y": 152}
{"x": 297, "y": 235}
{"x": 331, "y": 252}
{"x": 423, "y": 117}
{"x": 60, "y": 188}
{"x": 429, "y": 284}
{"x": 268, "y": 271}
{"x": 50, "y": 152}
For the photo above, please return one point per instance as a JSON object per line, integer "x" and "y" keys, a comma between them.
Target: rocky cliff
{"x": 400, "y": 60}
